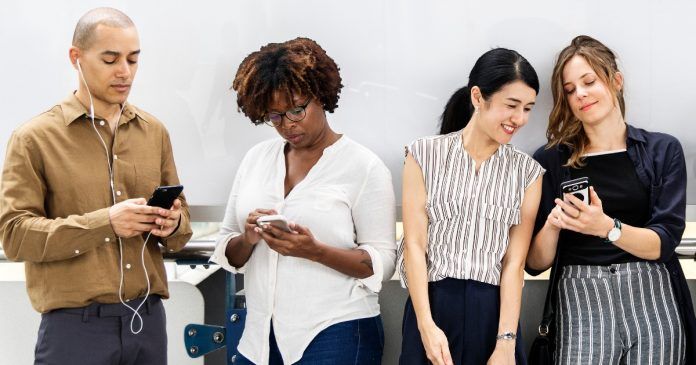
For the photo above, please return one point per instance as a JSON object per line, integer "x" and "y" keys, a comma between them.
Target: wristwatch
{"x": 614, "y": 233}
{"x": 506, "y": 336}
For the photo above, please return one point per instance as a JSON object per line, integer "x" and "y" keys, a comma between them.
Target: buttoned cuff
{"x": 99, "y": 224}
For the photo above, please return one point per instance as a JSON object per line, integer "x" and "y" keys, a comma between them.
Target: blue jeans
{"x": 359, "y": 341}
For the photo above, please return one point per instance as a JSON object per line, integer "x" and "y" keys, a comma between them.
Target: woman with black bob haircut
{"x": 621, "y": 296}
{"x": 311, "y": 286}
{"x": 469, "y": 203}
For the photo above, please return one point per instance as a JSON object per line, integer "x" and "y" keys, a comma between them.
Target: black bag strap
{"x": 547, "y": 318}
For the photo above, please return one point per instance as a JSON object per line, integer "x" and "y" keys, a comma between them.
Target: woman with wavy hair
{"x": 621, "y": 295}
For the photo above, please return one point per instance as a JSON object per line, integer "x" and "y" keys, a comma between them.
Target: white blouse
{"x": 347, "y": 201}
{"x": 470, "y": 213}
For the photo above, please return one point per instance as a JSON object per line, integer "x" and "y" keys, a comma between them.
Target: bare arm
{"x": 512, "y": 276}
{"x": 240, "y": 248}
{"x": 544, "y": 244}
{"x": 415, "y": 242}
{"x": 238, "y": 251}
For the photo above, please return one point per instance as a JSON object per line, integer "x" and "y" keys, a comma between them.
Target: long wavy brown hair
{"x": 564, "y": 128}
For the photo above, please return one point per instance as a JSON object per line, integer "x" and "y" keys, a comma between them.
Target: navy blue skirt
{"x": 467, "y": 311}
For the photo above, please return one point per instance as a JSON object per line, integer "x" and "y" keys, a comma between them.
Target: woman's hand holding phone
{"x": 583, "y": 218}
{"x": 252, "y": 232}
{"x": 300, "y": 242}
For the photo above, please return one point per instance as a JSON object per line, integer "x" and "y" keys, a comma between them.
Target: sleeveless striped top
{"x": 469, "y": 213}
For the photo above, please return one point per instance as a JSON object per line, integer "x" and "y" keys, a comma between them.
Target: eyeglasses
{"x": 295, "y": 114}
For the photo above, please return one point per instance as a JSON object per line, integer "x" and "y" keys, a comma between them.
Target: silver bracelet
{"x": 506, "y": 336}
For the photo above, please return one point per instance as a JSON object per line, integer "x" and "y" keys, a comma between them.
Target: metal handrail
{"x": 687, "y": 248}
{"x": 201, "y": 250}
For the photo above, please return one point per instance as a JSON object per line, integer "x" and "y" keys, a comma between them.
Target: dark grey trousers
{"x": 618, "y": 314}
{"x": 100, "y": 334}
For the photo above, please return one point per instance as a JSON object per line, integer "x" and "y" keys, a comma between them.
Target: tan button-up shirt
{"x": 54, "y": 208}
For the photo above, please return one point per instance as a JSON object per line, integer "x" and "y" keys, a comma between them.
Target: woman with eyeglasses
{"x": 311, "y": 293}
{"x": 469, "y": 203}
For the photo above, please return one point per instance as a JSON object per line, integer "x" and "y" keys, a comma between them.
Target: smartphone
{"x": 580, "y": 188}
{"x": 164, "y": 196}
{"x": 279, "y": 221}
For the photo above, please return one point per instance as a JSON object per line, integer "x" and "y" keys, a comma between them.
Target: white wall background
{"x": 400, "y": 61}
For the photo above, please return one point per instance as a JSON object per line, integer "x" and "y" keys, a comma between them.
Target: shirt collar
{"x": 74, "y": 110}
{"x": 634, "y": 134}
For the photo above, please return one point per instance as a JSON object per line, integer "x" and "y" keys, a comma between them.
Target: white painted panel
{"x": 400, "y": 61}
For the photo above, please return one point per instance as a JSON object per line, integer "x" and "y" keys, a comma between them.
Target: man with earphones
{"x": 73, "y": 208}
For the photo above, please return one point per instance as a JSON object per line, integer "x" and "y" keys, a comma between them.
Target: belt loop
{"x": 85, "y": 314}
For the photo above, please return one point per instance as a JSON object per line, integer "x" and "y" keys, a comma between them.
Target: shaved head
{"x": 84, "y": 30}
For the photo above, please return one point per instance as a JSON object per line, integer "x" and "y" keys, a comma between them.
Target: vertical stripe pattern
{"x": 469, "y": 213}
{"x": 618, "y": 314}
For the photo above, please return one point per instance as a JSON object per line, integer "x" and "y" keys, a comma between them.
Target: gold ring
{"x": 578, "y": 216}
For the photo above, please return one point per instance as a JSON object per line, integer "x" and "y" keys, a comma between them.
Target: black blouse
{"x": 623, "y": 197}
{"x": 659, "y": 163}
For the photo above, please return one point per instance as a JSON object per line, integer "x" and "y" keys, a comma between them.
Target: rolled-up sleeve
{"x": 668, "y": 214}
{"x": 229, "y": 229}
{"x": 374, "y": 216}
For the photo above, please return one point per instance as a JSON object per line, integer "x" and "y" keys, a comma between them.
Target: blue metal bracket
{"x": 236, "y": 318}
{"x": 201, "y": 339}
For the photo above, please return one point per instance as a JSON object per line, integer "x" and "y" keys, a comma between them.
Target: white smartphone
{"x": 580, "y": 188}
{"x": 279, "y": 221}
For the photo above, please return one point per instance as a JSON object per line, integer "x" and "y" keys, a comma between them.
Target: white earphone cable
{"x": 113, "y": 196}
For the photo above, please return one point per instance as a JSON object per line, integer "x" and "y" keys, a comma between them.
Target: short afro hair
{"x": 295, "y": 67}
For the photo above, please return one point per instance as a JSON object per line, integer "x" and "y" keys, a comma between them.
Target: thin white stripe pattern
{"x": 601, "y": 319}
{"x": 470, "y": 213}
{"x": 648, "y": 325}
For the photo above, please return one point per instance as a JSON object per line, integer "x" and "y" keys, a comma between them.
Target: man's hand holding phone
{"x": 132, "y": 217}
{"x": 168, "y": 220}
{"x": 165, "y": 199}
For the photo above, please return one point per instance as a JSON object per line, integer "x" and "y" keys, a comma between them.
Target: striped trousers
{"x": 618, "y": 314}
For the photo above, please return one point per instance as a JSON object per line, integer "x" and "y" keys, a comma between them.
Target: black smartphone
{"x": 164, "y": 196}
{"x": 580, "y": 188}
